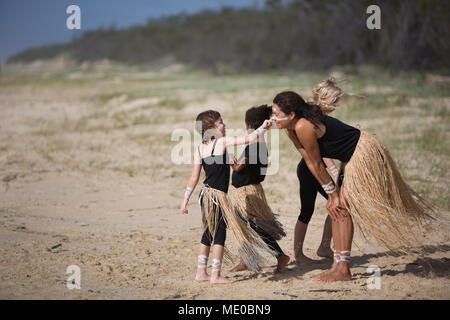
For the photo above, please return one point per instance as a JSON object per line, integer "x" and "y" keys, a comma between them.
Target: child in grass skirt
{"x": 247, "y": 194}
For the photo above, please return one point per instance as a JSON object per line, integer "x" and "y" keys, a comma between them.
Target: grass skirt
{"x": 250, "y": 201}
{"x": 381, "y": 203}
{"x": 248, "y": 242}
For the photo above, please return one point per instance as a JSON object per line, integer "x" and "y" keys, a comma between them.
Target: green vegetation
{"x": 294, "y": 35}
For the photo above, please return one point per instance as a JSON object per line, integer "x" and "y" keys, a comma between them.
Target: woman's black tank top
{"x": 339, "y": 141}
{"x": 217, "y": 170}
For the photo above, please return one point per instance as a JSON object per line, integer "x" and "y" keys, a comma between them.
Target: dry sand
{"x": 123, "y": 228}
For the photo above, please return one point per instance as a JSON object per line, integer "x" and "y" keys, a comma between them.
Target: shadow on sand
{"x": 423, "y": 266}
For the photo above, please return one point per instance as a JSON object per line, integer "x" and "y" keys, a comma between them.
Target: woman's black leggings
{"x": 221, "y": 230}
{"x": 309, "y": 187}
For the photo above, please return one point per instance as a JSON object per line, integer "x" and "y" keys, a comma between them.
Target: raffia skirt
{"x": 381, "y": 203}
{"x": 249, "y": 244}
{"x": 250, "y": 201}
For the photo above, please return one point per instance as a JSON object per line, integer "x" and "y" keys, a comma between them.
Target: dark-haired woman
{"x": 217, "y": 212}
{"x": 247, "y": 193}
{"x": 326, "y": 95}
{"x": 369, "y": 185}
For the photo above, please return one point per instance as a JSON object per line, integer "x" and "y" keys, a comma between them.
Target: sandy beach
{"x": 87, "y": 180}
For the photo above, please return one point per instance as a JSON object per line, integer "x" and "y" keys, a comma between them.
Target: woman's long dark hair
{"x": 289, "y": 101}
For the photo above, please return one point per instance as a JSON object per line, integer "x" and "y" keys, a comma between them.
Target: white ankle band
{"x": 216, "y": 265}
{"x": 336, "y": 255}
{"x": 202, "y": 261}
{"x": 344, "y": 258}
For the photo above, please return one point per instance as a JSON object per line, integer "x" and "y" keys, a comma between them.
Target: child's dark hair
{"x": 255, "y": 116}
{"x": 204, "y": 123}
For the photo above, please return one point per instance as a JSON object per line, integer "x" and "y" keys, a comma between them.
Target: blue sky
{"x": 25, "y": 23}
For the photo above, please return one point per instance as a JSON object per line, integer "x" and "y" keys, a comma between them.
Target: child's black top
{"x": 255, "y": 171}
{"x": 217, "y": 170}
{"x": 339, "y": 141}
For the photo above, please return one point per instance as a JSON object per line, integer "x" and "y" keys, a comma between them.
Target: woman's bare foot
{"x": 202, "y": 277}
{"x": 325, "y": 252}
{"x": 338, "y": 275}
{"x": 240, "y": 267}
{"x": 220, "y": 280}
{"x": 324, "y": 273}
{"x": 283, "y": 260}
{"x": 303, "y": 259}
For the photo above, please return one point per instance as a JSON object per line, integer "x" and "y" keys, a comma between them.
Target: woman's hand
{"x": 334, "y": 208}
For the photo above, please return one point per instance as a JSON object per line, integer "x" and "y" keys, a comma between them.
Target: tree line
{"x": 296, "y": 34}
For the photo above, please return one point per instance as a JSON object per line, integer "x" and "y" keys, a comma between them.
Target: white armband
{"x": 188, "y": 192}
{"x": 334, "y": 170}
{"x": 329, "y": 188}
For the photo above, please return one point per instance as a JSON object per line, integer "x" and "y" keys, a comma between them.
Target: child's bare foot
{"x": 202, "y": 277}
{"x": 325, "y": 252}
{"x": 220, "y": 280}
{"x": 240, "y": 267}
{"x": 283, "y": 260}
